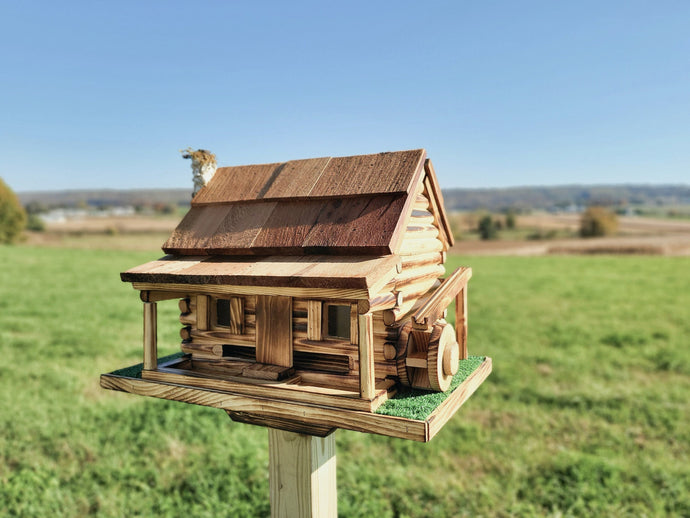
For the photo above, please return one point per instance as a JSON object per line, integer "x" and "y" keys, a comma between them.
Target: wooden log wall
{"x": 317, "y": 361}
{"x": 422, "y": 256}
{"x": 203, "y": 343}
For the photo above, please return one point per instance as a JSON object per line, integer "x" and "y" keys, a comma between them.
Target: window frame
{"x": 325, "y": 320}
{"x": 231, "y": 328}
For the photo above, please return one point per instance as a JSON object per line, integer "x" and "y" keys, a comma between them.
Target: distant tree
{"x": 487, "y": 227}
{"x": 35, "y": 207}
{"x": 35, "y": 223}
{"x": 165, "y": 208}
{"x": 598, "y": 221}
{"x": 510, "y": 219}
{"x": 12, "y": 215}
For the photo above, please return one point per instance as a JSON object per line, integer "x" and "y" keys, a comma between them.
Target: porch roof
{"x": 328, "y": 272}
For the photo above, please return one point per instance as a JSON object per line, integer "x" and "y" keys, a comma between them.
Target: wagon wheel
{"x": 401, "y": 366}
{"x": 444, "y": 356}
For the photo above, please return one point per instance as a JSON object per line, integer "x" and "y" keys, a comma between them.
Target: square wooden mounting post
{"x": 367, "y": 379}
{"x": 150, "y": 336}
{"x": 302, "y": 475}
{"x": 461, "y": 321}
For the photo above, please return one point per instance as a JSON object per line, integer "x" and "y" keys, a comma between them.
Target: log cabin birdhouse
{"x": 310, "y": 293}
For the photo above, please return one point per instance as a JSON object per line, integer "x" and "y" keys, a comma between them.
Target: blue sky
{"x": 104, "y": 94}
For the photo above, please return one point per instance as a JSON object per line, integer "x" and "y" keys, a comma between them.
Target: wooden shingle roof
{"x": 354, "y": 205}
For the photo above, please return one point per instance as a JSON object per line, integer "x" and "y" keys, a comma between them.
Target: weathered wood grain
{"x": 295, "y": 179}
{"x": 194, "y": 233}
{"x": 367, "y": 174}
{"x": 237, "y": 183}
{"x": 357, "y": 204}
{"x": 237, "y": 316}
{"x": 238, "y": 229}
{"x": 203, "y": 312}
{"x": 314, "y": 323}
{"x": 302, "y": 475}
{"x": 222, "y": 337}
{"x": 274, "y": 330}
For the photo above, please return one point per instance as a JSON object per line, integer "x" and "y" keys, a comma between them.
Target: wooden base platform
{"x": 286, "y": 405}
{"x": 232, "y": 377}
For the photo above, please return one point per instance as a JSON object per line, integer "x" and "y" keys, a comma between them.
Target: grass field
{"x": 587, "y": 412}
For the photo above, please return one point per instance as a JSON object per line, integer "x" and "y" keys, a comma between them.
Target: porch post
{"x": 150, "y": 336}
{"x": 367, "y": 379}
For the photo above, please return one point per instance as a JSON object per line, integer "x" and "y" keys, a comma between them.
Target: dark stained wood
{"x": 265, "y": 371}
{"x": 363, "y": 225}
{"x": 358, "y": 222}
{"x": 368, "y": 174}
{"x": 237, "y": 315}
{"x": 274, "y": 330}
{"x": 281, "y": 424}
{"x": 381, "y": 173}
{"x": 346, "y": 205}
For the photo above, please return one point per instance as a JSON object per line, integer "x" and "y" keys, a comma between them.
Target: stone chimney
{"x": 203, "y": 166}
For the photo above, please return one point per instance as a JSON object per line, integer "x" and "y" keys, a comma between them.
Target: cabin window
{"x": 229, "y": 314}
{"x": 338, "y": 321}
{"x": 223, "y": 312}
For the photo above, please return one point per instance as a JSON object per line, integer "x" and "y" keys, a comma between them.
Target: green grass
{"x": 586, "y": 412}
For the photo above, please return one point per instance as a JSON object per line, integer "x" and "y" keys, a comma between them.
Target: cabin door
{"x": 274, "y": 330}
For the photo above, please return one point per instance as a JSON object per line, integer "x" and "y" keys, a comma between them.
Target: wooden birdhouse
{"x": 310, "y": 293}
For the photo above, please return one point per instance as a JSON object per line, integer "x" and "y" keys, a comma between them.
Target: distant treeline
{"x": 495, "y": 199}
{"x": 566, "y": 197}
{"x": 101, "y": 198}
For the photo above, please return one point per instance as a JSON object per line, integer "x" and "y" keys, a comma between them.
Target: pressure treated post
{"x": 150, "y": 336}
{"x": 461, "y": 321}
{"x": 302, "y": 475}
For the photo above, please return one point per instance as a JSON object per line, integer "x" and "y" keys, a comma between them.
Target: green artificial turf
{"x": 419, "y": 404}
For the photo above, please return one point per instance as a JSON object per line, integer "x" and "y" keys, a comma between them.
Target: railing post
{"x": 461, "y": 321}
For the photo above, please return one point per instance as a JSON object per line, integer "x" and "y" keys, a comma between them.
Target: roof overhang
{"x": 364, "y": 274}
